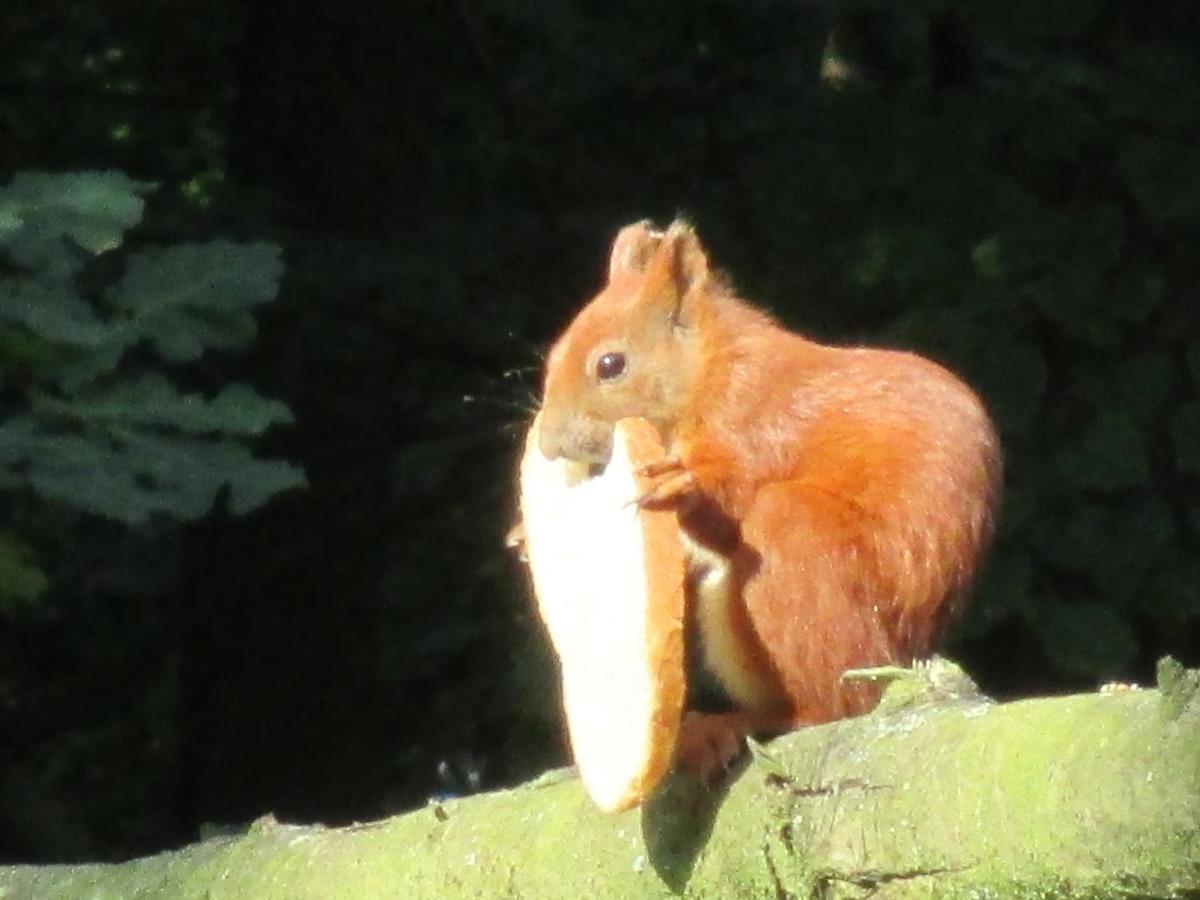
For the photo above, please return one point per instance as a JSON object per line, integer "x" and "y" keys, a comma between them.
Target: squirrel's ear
{"x": 633, "y": 249}
{"x": 688, "y": 259}
{"x": 679, "y": 265}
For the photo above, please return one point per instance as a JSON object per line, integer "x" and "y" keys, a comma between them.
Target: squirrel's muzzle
{"x": 575, "y": 438}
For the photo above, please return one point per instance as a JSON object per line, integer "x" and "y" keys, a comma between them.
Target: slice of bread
{"x": 609, "y": 580}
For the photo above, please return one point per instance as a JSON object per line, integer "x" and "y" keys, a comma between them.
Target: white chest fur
{"x": 724, "y": 628}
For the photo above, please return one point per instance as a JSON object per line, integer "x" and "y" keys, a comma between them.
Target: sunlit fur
{"x": 843, "y": 496}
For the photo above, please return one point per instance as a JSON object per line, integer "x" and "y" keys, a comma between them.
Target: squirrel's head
{"x": 633, "y": 350}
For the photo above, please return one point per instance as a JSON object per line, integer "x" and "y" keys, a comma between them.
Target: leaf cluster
{"x": 93, "y": 416}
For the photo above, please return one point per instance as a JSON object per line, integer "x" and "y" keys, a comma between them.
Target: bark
{"x": 938, "y": 793}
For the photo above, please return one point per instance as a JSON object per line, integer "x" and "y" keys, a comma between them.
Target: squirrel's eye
{"x": 609, "y": 366}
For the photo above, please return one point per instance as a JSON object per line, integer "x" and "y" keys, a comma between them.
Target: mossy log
{"x": 939, "y": 793}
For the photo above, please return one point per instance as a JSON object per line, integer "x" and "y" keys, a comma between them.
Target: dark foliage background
{"x": 1013, "y": 189}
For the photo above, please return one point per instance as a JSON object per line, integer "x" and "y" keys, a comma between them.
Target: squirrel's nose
{"x": 549, "y": 439}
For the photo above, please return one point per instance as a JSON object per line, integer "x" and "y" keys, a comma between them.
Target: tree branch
{"x": 940, "y": 792}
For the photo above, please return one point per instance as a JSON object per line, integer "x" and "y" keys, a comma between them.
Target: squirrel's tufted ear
{"x": 688, "y": 259}
{"x": 633, "y": 248}
{"x": 679, "y": 266}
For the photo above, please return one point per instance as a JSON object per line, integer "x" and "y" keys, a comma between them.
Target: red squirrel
{"x": 834, "y": 502}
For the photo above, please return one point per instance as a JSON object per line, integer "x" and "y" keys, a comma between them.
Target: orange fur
{"x": 835, "y": 501}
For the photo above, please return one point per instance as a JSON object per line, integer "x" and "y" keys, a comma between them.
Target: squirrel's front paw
{"x": 709, "y": 743}
{"x": 675, "y": 483}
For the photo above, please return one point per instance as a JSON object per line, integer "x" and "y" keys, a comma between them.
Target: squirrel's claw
{"x": 658, "y": 468}
{"x": 678, "y": 485}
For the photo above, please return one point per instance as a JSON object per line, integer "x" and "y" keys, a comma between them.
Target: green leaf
{"x": 52, "y": 310}
{"x": 21, "y": 580}
{"x": 183, "y": 300}
{"x": 99, "y": 478}
{"x": 874, "y": 260}
{"x": 131, "y": 448}
{"x": 65, "y": 341}
{"x": 253, "y": 482}
{"x": 80, "y": 369}
{"x": 20, "y": 438}
{"x": 988, "y": 259}
{"x": 188, "y": 298}
{"x": 144, "y": 474}
{"x": 91, "y": 209}
{"x": 153, "y": 402}
{"x": 20, "y": 349}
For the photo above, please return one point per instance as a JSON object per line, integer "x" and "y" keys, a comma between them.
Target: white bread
{"x": 609, "y": 580}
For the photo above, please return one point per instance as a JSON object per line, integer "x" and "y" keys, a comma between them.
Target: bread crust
{"x": 609, "y": 579}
